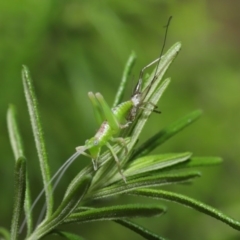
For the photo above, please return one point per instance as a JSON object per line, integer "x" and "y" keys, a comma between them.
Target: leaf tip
{"x": 133, "y": 54}
{"x": 25, "y": 72}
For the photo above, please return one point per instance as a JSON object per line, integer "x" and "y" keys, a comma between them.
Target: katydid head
{"x": 92, "y": 145}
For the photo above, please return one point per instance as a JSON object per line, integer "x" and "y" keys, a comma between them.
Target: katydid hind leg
{"x": 117, "y": 161}
{"x": 97, "y": 110}
{"x": 146, "y": 67}
{"x": 122, "y": 142}
{"x": 110, "y": 117}
{"x": 147, "y": 89}
{"x": 139, "y": 85}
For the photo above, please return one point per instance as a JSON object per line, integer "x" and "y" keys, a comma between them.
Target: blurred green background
{"x": 72, "y": 47}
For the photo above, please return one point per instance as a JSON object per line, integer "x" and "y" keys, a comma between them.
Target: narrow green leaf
{"x": 27, "y": 207}
{"x": 201, "y": 162}
{"x": 189, "y": 202}
{"x": 195, "y": 162}
{"x": 155, "y": 162}
{"x": 163, "y": 135}
{"x": 67, "y": 206}
{"x": 18, "y": 150}
{"x": 126, "y": 73}
{"x": 38, "y": 136}
{"x": 14, "y": 134}
{"x": 148, "y": 181}
{"x": 146, "y": 234}
{"x": 67, "y": 235}
{"x": 20, "y": 186}
{"x": 116, "y": 212}
{"x": 5, "y": 233}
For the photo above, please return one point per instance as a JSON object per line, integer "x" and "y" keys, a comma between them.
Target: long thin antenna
{"x": 164, "y": 43}
{"x": 158, "y": 59}
{"x": 60, "y": 171}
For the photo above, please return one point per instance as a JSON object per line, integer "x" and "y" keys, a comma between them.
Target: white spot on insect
{"x": 136, "y": 99}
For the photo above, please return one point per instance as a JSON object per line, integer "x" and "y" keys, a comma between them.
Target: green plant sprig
{"x": 142, "y": 170}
